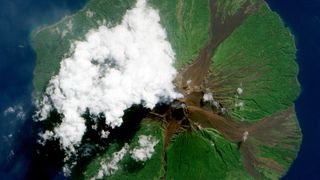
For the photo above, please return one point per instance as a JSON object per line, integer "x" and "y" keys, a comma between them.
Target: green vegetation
{"x": 187, "y": 25}
{"x": 187, "y": 32}
{"x": 53, "y": 43}
{"x": 284, "y": 148}
{"x": 231, "y": 7}
{"x": 128, "y": 167}
{"x": 203, "y": 155}
{"x": 252, "y": 74}
{"x": 258, "y": 58}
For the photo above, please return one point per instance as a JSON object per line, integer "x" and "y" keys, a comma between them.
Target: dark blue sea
{"x": 18, "y": 157}
{"x": 18, "y": 18}
{"x": 303, "y": 18}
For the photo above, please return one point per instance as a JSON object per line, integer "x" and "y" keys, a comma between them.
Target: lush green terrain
{"x": 187, "y": 31}
{"x": 187, "y": 25}
{"x": 253, "y": 75}
{"x": 204, "y": 154}
{"x": 128, "y": 167}
{"x": 259, "y": 59}
{"x": 231, "y": 7}
{"x": 53, "y": 43}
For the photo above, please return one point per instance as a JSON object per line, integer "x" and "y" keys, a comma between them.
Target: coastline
{"x": 301, "y": 18}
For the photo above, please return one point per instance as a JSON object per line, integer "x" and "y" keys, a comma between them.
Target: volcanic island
{"x": 234, "y": 118}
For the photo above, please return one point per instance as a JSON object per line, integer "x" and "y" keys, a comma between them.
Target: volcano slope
{"x": 238, "y": 77}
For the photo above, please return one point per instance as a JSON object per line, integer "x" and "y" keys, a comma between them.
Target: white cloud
{"x": 16, "y": 110}
{"x": 47, "y": 135}
{"x": 90, "y": 13}
{"x": 110, "y": 166}
{"x": 114, "y": 68}
{"x": 9, "y": 110}
{"x": 104, "y": 134}
{"x": 70, "y": 25}
{"x": 145, "y": 149}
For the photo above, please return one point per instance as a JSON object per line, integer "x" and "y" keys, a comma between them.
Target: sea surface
{"x": 17, "y": 60}
{"x": 303, "y": 18}
{"x": 18, "y": 18}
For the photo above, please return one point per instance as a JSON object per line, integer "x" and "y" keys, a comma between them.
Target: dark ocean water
{"x": 303, "y": 18}
{"x": 17, "y": 60}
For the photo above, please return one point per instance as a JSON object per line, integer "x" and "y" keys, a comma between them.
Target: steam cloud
{"x": 114, "y": 68}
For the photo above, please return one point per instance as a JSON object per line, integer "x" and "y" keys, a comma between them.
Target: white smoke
{"x": 239, "y": 91}
{"x": 114, "y": 68}
{"x": 207, "y": 97}
{"x": 245, "y": 136}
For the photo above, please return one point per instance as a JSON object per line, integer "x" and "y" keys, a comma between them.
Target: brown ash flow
{"x": 191, "y": 113}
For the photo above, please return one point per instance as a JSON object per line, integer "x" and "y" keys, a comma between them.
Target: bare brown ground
{"x": 249, "y": 159}
{"x": 231, "y": 130}
{"x": 172, "y": 127}
{"x": 218, "y": 31}
{"x": 278, "y": 129}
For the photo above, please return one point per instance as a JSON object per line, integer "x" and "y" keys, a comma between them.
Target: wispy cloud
{"x": 16, "y": 110}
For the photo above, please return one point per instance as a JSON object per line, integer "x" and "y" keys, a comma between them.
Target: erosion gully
{"x": 189, "y": 113}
